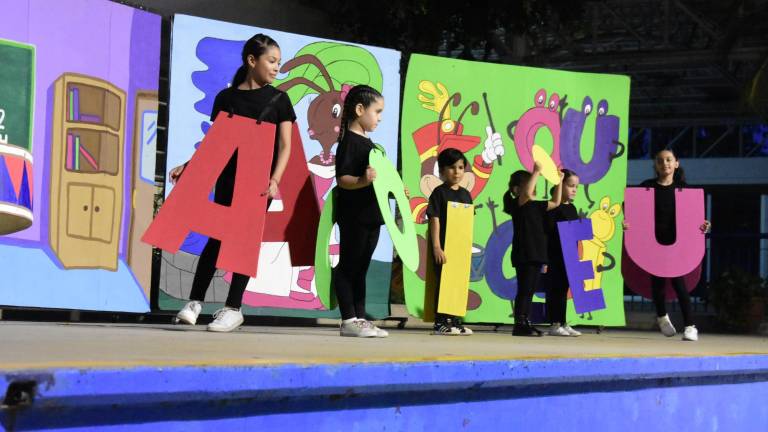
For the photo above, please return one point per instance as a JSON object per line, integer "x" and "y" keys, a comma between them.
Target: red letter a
{"x": 240, "y": 226}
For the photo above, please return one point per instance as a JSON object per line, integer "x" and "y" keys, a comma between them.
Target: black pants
{"x": 557, "y": 295}
{"x": 528, "y": 277}
{"x": 659, "y": 299}
{"x": 206, "y": 268}
{"x": 356, "y": 245}
{"x": 206, "y": 265}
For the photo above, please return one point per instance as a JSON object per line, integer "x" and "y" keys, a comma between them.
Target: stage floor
{"x": 27, "y": 345}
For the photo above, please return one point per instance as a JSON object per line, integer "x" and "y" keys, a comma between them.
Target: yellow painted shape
{"x": 548, "y": 168}
{"x": 454, "y": 281}
{"x": 592, "y": 251}
{"x": 604, "y": 227}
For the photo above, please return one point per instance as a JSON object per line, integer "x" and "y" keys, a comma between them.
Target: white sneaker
{"x": 557, "y": 330}
{"x": 225, "y": 320}
{"x": 357, "y": 328}
{"x": 464, "y": 331}
{"x": 571, "y": 331}
{"x": 690, "y": 333}
{"x": 666, "y": 326}
{"x": 379, "y": 332}
{"x": 189, "y": 313}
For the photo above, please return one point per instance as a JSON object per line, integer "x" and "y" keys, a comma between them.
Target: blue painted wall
{"x": 648, "y": 394}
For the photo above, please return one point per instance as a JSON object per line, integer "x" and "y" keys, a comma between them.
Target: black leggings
{"x": 557, "y": 295}
{"x": 659, "y": 299}
{"x": 528, "y": 276}
{"x": 356, "y": 245}
{"x": 206, "y": 268}
{"x": 206, "y": 265}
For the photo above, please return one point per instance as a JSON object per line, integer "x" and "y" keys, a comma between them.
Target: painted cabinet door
{"x": 79, "y": 210}
{"x": 103, "y": 214}
{"x": 87, "y": 172}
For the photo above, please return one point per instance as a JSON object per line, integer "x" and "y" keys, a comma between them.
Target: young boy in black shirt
{"x": 451, "y": 163}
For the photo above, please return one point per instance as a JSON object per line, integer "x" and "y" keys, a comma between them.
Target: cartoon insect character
{"x": 606, "y": 145}
{"x": 329, "y": 70}
{"x": 323, "y": 117}
{"x": 595, "y": 250}
{"x": 446, "y": 133}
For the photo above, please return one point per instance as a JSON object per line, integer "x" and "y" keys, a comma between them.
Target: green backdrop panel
{"x": 579, "y": 119}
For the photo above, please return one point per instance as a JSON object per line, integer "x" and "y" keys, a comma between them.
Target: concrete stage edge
{"x": 444, "y": 392}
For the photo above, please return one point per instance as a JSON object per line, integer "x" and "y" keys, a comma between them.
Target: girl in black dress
{"x": 250, "y": 95}
{"x": 669, "y": 175}
{"x": 529, "y": 241}
{"x": 557, "y": 293}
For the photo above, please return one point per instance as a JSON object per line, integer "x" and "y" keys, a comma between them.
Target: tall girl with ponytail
{"x": 249, "y": 95}
{"x": 670, "y": 175}
{"x": 357, "y": 212}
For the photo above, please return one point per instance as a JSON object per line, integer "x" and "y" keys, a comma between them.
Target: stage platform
{"x": 164, "y": 377}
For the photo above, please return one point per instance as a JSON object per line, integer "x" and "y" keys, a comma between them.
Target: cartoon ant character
{"x": 446, "y": 133}
{"x": 324, "y": 118}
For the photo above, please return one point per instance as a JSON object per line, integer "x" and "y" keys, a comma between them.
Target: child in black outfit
{"x": 529, "y": 242}
{"x": 669, "y": 175}
{"x": 250, "y": 95}
{"x": 451, "y": 163}
{"x": 357, "y": 211}
{"x": 557, "y": 294}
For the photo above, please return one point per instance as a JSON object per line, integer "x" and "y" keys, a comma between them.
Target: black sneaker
{"x": 533, "y": 328}
{"x": 524, "y": 328}
{"x": 445, "y": 328}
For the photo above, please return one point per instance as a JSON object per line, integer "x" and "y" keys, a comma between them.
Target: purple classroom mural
{"x": 93, "y": 132}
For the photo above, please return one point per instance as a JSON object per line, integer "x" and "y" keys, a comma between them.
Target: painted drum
{"x": 15, "y": 189}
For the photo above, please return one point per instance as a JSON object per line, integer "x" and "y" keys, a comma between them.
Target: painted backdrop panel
{"x": 205, "y": 56}
{"x": 95, "y": 74}
{"x": 579, "y": 119}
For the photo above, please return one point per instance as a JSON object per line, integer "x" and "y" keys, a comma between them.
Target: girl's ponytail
{"x": 240, "y": 75}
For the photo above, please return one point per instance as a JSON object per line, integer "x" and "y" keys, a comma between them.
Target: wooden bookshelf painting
{"x": 87, "y": 172}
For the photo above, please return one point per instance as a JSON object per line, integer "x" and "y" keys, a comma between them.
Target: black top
{"x": 358, "y": 205}
{"x": 251, "y": 103}
{"x": 529, "y": 241}
{"x": 664, "y": 209}
{"x": 438, "y": 206}
{"x": 564, "y": 212}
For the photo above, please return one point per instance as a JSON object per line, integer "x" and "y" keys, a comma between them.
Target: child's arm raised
{"x": 527, "y": 193}
{"x": 351, "y": 182}
{"x": 557, "y": 197}
{"x": 434, "y": 235}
